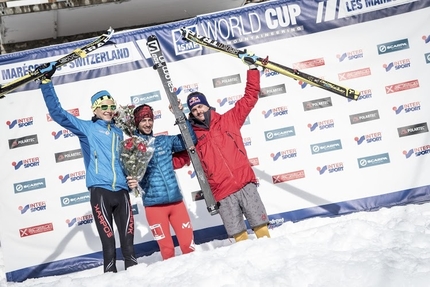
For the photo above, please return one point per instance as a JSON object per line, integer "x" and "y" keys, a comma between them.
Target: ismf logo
{"x": 426, "y": 38}
{"x": 393, "y": 46}
{"x": 186, "y": 89}
{"x": 309, "y": 64}
{"x": 75, "y": 199}
{"x": 279, "y": 178}
{"x": 272, "y": 91}
{"x": 412, "y": 130}
{"x": 322, "y": 125}
{"x": 317, "y": 104}
{"x": 402, "y": 86}
{"x": 326, "y": 146}
{"x": 330, "y": 168}
{"x": 407, "y": 108}
{"x": 138, "y": 100}
{"x": 26, "y": 163}
{"x": 276, "y": 112}
{"x": 364, "y": 117}
{"x": 284, "y": 154}
{"x": 74, "y": 176}
{"x": 373, "y": 160}
{"x": 32, "y": 207}
{"x": 74, "y": 112}
{"x": 29, "y": 185}
{"x": 279, "y": 133}
{"x": 397, "y": 65}
{"x": 23, "y": 141}
{"x": 369, "y": 138}
{"x": 364, "y": 94}
{"x": 268, "y": 73}
{"x": 351, "y": 55}
{"x": 62, "y": 134}
{"x": 20, "y": 123}
{"x": 33, "y": 230}
{"x": 354, "y": 74}
{"x": 80, "y": 220}
{"x": 247, "y": 141}
{"x": 181, "y": 45}
{"x": 229, "y": 100}
{"x": 417, "y": 151}
{"x": 226, "y": 81}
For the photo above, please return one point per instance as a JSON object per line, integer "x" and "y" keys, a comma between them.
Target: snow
{"x": 389, "y": 247}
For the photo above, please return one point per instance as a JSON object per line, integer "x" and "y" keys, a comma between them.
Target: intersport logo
{"x": 417, "y": 151}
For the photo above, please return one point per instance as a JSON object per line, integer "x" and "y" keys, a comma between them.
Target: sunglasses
{"x": 105, "y": 107}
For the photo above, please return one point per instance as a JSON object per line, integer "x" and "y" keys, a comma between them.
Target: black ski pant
{"x": 107, "y": 206}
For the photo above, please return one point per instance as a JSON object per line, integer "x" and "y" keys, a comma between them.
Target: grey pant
{"x": 245, "y": 202}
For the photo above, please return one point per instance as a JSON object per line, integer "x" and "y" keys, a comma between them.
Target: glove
{"x": 248, "y": 58}
{"x": 47, "y": 70}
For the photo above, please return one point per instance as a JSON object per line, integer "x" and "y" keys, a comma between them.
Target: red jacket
{"x": 220, "y": 146}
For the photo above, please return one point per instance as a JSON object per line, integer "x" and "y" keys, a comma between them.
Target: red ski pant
{"x": 160, "y": 217}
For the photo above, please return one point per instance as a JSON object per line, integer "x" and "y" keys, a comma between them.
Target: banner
{"x": 315, "y": 153}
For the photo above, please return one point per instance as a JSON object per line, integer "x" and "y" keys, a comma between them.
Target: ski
{"x": 160, "y": 65}
{"x": 265, "y": 63}
{"x": 77, "y": 53}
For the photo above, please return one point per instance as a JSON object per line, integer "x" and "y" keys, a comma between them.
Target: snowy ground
{"x": 389, "y": 247}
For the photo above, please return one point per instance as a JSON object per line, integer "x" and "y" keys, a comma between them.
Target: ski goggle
{"x": 106, "y": 107}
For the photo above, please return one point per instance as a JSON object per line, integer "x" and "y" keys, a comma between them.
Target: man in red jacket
{"x": 225, "y": 161}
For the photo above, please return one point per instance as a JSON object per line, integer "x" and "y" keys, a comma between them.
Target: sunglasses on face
{"x": 105, "y": 107}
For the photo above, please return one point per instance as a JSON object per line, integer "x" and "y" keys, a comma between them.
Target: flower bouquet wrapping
{"x": 135, "y": 152}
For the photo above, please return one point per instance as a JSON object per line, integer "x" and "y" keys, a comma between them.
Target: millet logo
{"x": 393, "y": 46}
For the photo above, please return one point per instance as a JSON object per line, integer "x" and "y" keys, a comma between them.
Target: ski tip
{"x": 151, "y": 38}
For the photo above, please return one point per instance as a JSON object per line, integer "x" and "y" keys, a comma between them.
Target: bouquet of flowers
{"x": 135, "y": 152}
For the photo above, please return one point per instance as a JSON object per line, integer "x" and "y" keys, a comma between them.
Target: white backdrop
{"x": 315, "y": 153}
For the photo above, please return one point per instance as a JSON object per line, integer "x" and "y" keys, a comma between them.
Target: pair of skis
{"x": 76, "y": 54}
{"x": 265, "y": 63}
{"x": 160, "y": 65}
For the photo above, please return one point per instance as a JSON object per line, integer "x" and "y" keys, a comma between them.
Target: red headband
{"x": 143, "y": 112}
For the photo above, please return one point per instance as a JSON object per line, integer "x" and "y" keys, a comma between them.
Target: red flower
{"x": 128, "y": 143}
{"x": 141, "y": 147}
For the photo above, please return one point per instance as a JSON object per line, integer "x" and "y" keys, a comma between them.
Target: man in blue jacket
{"x": 99, "y": 139}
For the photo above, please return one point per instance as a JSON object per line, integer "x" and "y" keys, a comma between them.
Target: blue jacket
{"x": 99, "y": 142}
{"x": 159, "y": 182}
